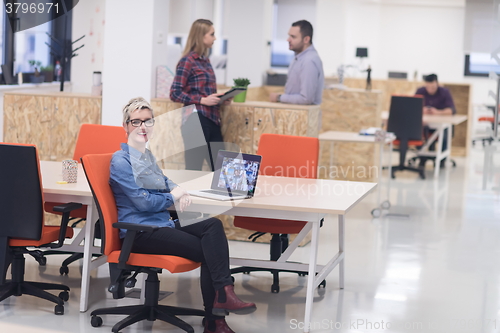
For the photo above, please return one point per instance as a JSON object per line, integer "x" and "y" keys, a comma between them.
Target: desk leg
{"x": 389, "y": 158}
{"x": 311, "y": 277}
{"x": 439, "y": 152}
{"x": 331, "y": 160}
{"x": 87, "y": 256}
{"x": 341, "y": 250}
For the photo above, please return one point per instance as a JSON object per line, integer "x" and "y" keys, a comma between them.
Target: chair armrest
{"x": 135, "y": 226}
{"x": 132, "y": 229}
{"x": 66, "y": 210}
{"x": 67, "y": 207}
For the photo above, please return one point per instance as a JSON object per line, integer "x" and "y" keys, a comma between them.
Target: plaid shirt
{"x": 194, "y": 79}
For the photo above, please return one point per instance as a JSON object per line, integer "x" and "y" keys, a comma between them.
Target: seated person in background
{"x": 437, "y": 101}
{"x": 143, "y": 194}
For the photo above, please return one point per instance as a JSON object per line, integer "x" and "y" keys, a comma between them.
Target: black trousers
{"x": 203, "y": 242}
{"x": 202, "y": 141}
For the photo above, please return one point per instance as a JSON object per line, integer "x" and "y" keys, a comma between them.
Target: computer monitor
{"x": 362, "y": 52}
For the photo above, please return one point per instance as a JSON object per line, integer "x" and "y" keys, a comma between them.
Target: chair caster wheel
{"x": 63, "y": 270}
{"x": 113, "y": 288}
{"x": 386, "y": 204}
{"x": 59, "y": 309}
{"x": 376, "y": 212}
{"x": 246, "y": 272}
{"x": 275, "y": 289}
{"x": 130, "y": 283}
{"x": 302, "y": 274}
{"x": 42, "y": 260}
{"x": 64, "y": 295}
{"x": 322, "y": 284}
{"x": 96, "y": 321}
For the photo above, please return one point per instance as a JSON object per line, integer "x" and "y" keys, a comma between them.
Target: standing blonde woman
{"x": 195, "y": 83}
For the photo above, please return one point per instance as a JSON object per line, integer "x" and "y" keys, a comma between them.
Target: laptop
{"x": 235, "y": 177}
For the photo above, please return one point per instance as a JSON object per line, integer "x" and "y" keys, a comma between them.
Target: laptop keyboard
{"x": 227, "y": 194}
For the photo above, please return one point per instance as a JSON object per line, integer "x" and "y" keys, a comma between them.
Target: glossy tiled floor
{"x": 433, "y": 266}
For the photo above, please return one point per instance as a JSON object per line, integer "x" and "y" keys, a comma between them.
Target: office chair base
{"x": 37, "y": 289}
{"x": 150, "y": 310}
{"x": 143, "y": 312}
{"x": 420, "y": 171}
{"x": 17, "y": 286}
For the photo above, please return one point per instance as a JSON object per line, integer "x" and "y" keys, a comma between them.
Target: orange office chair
{"x": 122, "y": 262}
{"x": 92, "y": 139}
{"x": 22, "y": 225}
{"x": 287, "y": 156}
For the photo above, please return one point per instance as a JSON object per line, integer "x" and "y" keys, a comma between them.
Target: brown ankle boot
{"x": 217, "y": 326}
{"x": 226, "y": 301}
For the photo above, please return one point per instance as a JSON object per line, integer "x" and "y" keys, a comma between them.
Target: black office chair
{"x": 22, "y": 225}
{"x": 405, "y": 121}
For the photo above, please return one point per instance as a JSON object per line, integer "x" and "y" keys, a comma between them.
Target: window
{"x": 480, "y": 64}
{"x": 30, "y": 45}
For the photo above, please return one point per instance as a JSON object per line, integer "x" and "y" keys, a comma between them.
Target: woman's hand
{"x": 178, "y": 192}
{"x": 184, "y": 202}
{"x": 210, "y": 100}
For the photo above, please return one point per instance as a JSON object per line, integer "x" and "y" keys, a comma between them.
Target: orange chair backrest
{"x": 288, "y": 156}
{"x": 98, "y": 139}
{"x": 96, "y": 168}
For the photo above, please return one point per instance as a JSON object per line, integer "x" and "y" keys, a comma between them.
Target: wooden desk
{"x": 296, "y": 199}
{"x": 337, "y": 136}
{"x": 440, "y": 124}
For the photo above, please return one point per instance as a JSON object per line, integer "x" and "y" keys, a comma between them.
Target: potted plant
{"x": 36, "y": 78}
{"x": 241, "y": 83}
{"x": 48, "y": 73}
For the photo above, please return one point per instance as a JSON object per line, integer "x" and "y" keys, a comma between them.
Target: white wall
{"x": 160, "y": 30}
{"x": 185, "y": 12}
{"x": 405, "y": 36}
{"x": 329, "y": 33}
{"x": 291, "y": 11}
{"x": 128, "y": 54}
{"x": 88, "y": 20}
{"x": 249, "y": 31}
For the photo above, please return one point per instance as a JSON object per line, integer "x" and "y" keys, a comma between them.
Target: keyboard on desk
{"x": 218, "y": 192}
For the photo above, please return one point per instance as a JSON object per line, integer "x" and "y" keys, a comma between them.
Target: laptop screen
{"x": 236, "y": 172}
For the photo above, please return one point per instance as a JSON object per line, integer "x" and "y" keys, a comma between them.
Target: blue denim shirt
{"x": 142, "y": 192}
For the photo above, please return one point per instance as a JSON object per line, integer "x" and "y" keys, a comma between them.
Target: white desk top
{"x": 273, "y": 193}
{"x": 290, "y": 194}
{"x": 351, "y": 137}
{"x": 435, "y": 119}
{"x": 52, "y": 173}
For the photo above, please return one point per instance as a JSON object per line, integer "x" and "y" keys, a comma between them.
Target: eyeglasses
{"x": 137, "y": 122}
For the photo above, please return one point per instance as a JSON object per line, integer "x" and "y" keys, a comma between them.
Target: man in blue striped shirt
{"x": 304, "y": 84}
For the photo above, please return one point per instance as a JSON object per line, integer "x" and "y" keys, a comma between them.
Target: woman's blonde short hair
{"x": 199, "y": 29}
{"x": 136, "y": 103}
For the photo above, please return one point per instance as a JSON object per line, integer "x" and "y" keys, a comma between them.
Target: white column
{"x": 249, "y": 28}
{"x": 132, "y": 49}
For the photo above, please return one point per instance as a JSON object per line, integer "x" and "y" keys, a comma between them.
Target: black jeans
{"x": 201, "y": 143}
{"x": 203, "y": 242}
